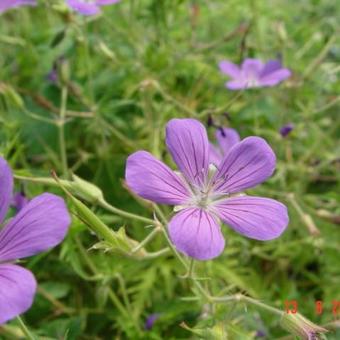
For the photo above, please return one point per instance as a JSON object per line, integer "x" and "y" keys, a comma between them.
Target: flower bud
{"x": 286, "y": 129}
{"x": 86, "y": 190}
{"x": 298, "y": 325}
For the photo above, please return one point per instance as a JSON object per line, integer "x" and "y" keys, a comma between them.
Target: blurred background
{"x": 117, "y": 78}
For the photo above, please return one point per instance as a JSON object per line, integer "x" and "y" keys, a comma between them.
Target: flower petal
{"x": 215, "y": 155}
{"x": 255, "y": 217}
{"x": 153, "y": 180}
{"x": 8, "y": 4}
{"x": 19, "y": 200}
{"x": 251, "y": 68}
{"x": 227, "y": 138}
{"x": 247, "y": 164}
{"x": 275, "y": 78}
{"x": 196, "y": 233}
{"x": 230, "y": 69}
{"x": 239, "y": 84}
{"x": 17, "y": 289}
{"x": 40, "y": 225}
{"x": 83, "y": 7}
{"x": 270, "y": 67}
{"x": 188, "y": 144}
{"x": 6, "y": 188}
{"x": 106, "y": 2}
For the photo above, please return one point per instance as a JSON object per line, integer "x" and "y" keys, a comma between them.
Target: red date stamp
{"x": 292, "y": 306}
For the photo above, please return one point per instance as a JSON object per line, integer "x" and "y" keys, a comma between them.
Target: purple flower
{"x": 19, "y": 200}
{"x": 52, "y": 76}
{"x": 8, "y": 4}
{"x": 203, "y": 194}
{"x": 286, "y": 129}
{"x": 253, "y": 73}
{"x": 89, "y": 7}
{"x": 226, "y": 139}
{"x": 151, "y": 319}
{"x": 39, "y": 225}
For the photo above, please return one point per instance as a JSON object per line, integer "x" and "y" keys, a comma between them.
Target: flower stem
{"x": 102, "y": 203}
{"x": 203, "y": 292}
{"x": 123, "y": 213}
{"x": 146, "y": 240}
{"x": 249, "y": 300}
{"x": 61, "y": 127}
{"x": 25, "y": 330}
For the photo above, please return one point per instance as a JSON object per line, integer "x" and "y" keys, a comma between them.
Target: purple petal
{"x": 227, "y": 138}
{"x": 8, "y": 4}
{"x": 17, "y": 289}
{"x": 247, "y": 164}
{"x": 40, "y": 225}
{"x": 255, "y": 217}
{"x": 239, "y": 84}
{"x": 83, "y": 7}
{"x": 19, "y": 200}
{"x": 215, "y": 155}
{"x": 153, "y": 180}
{"x": 251, "y": 68}
{"x": 275, "y": 78}
{"x": 6, "y": 188}
{"x": 196, "y": 233}
{"x": 285, "y": 130}
{"x": 188, "y": 144}
{"x": 106, "y": 2}
{"x": 230, "y": 69}
{"x": 150, "y": 321}
{"x": 270, "y": 67}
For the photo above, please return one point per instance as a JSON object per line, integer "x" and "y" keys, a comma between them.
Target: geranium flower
{"x": 89, "y": 7}
{"x": 226, "y": 139}
{"x": 40, "y": 225}
{"x": 8, "y": 4}
{"x": 253, "y": 73}
{"x": 203, "y": 194}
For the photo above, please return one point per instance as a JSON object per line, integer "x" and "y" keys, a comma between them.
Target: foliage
{"x": 121, "y": 77}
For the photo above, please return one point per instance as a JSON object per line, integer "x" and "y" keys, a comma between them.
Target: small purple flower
{"x": 19, "y": 200}
{"x": 89, "y": 7}
{"x": 253, "y": 73}
{"x": 151, "y": 319}
{"x": 260, "y": 334}
{"x": 203, "y": 194}
{"x": 52, "y": 76}
{"x": 286, "y": 129}
{"x": 39, "y": 225}
{"x": 8, "y": 4}
{"x": 226, "y": 139}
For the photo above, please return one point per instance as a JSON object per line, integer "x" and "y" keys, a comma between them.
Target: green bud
{"x": 123, "y": 245}
{"x": 63, "y": 68}
{"x": 11, "y": 95}
{"x": 85, "y": 190}
{"x": 298, "y": 325}
{"x": 106, "y": 51}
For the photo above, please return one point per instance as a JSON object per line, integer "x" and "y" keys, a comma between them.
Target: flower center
{"x": 202, "y": 196}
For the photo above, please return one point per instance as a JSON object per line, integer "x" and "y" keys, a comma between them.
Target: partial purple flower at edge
{"x": 286, "y": 129}
{"x": 89, "y": 7}
{"x": 226, "y": 139}
{"x": 19, "y": 201}
{"x": 8, "y": 4}
{"x": 203, "y": 194}
{"x": 151, "y": 319}
{"x": 38, "y": 226}
{"x": 253, "y": 73}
